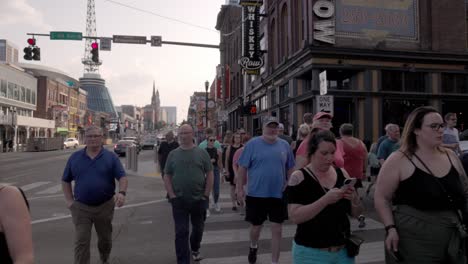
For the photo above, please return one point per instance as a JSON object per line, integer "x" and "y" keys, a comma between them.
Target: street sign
{"x": 64, "y": 35}
{"x": 129, "y": 39}
{"x": 156, "y": 41}
{"x": 323, "y": 82}
{"x": 325, "y": 103}
{"x": 106, "y": 44}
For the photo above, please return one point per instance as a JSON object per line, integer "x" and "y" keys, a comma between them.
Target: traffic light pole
{"x": 200, "y": 45}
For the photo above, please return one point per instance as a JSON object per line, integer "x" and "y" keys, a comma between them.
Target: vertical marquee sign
{"x": 252, "y": 60}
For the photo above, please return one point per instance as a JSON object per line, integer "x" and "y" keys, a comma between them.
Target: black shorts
{"x": 257, "y": 210}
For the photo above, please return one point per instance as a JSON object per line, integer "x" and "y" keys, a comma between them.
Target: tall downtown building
{"x": 99, "y": 99}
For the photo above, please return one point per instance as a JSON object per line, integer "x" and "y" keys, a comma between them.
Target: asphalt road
{"x": 143, "y": 229}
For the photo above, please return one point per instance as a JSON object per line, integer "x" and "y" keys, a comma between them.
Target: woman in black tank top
{"x": 319, "y": 204}
{"x": 426, "y": 185}
{"x": 15, "y": 222}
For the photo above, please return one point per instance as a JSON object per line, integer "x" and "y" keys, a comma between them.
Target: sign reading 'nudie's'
{"x": 252, "y": 60}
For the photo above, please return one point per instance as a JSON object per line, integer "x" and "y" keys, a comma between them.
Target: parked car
{"x": 150, "y": 143}
{"x": 71, "y": 143}
{"x": 121, "y": 147}
{"x": 135, "y": 140}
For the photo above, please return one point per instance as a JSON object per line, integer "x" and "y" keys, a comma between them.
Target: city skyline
{"x": 129, "y": 69}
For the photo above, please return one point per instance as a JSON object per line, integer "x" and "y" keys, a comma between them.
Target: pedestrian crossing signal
{"x": 36, "y": 53}
{"x": 253, "y": 109}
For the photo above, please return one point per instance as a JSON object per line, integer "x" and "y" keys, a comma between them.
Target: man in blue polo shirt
{"x": 94, "y": 170}
{"x": 269, "y": 162}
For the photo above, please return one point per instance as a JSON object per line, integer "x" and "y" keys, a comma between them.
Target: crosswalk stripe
{"x": 369, "y": 253}
{"x": 51, "y": 190}
{"x": 33, "y": 185}
{"x": 240, "y": 235}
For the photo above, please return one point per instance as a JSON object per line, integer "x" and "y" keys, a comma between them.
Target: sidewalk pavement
{"x": 147, "y": 168}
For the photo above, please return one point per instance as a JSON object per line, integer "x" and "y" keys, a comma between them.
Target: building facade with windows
{"x": 382, "y": 59}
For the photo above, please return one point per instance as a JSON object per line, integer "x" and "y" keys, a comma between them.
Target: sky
{"x": 129, "y": 69}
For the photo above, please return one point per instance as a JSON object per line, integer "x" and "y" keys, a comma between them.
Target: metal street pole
{"x": 206, "y": 103}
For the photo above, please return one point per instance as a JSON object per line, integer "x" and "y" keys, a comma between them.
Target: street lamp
{"x": 206, "y": 103}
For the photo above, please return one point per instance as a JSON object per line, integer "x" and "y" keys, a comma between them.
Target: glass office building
{"x": 99, "y": 98}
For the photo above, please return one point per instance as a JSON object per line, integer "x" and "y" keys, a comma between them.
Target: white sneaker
{"x": 217, "y": 207}
{"x": 212, "y": 205}
{"x": 208, "y": 213}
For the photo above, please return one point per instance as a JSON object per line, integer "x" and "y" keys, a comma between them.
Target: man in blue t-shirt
{"x": 390, "y": 144}
{"x": 269, "y": 161}
{"x": 94, "y": 171}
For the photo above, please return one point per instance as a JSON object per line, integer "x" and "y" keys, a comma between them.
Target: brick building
{"x": 382, "y": 59}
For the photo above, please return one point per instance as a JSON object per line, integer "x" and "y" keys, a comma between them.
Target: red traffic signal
{"x": 32, "y": 41}
{"x": 95, "y": 52}
{"x": 253, "y": 109}
{"x": 94, "y": 45}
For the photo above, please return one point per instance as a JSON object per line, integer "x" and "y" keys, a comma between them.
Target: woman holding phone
{"x": 421, "y": 196}
{"x": 319, "y": 203}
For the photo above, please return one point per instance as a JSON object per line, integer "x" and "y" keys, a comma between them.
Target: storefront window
{"x": 454, "y": 83}
{"x": 3, "y": 88}
{"x": 392, "y": 81}
{"x": 403, "y": 81}
{"x": 340, "y": 79}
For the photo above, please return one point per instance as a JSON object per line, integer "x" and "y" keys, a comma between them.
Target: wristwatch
{"x": 124, "y": 193}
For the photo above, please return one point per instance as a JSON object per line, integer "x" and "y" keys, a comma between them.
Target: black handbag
{"x": 353, "y": 245}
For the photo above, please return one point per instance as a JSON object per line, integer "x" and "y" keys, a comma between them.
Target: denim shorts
{"x": 308, "y": 255}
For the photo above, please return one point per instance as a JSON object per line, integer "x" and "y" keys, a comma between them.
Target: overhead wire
{"x": 161, "y": 16}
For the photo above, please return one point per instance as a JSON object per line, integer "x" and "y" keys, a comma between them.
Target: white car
{"x": 70, "y": 142}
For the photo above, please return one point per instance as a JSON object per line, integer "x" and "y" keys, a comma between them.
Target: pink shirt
{"x": 339, "y": 161}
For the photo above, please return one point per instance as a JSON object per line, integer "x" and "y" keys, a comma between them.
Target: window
{"x": 271, "y": 45}
{"x": 33, "y": 97}
{"x": 3, "y": 88}
{"x": 403, "y": 81}
{"x": 23, "y": 94}
{"x": 284, "y": 33}
{"x": 11, "y": 88}
{"x": 340, "y": 79}
{"x": 284, "y": 92}
{"x": 28, "y": 96}
{"x": 454, "y": 83}
{"x": 273, "y": 97}
{"x": 16, "y": 91}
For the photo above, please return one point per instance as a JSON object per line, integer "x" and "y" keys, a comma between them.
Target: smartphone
{"x": 396, "y": 255}
{"x": 349, "y": 182}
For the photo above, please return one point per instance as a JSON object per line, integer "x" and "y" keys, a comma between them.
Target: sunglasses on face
{"x": 211, "y": 140}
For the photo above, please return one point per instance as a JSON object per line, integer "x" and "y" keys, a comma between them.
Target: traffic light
{"x": 253, "y": 109}
{"x": 32, "y": 52}
{"x": 36, "y": 53}
{"x": 249, "y": 109}
{"x": 95, "y": 52}
{"x": 28, "y": 53}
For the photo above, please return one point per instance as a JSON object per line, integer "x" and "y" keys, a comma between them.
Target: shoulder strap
{"x": 312, "y": 175}
{"x": 408, "y": 157}
{"x": 448, "y": 156}
{"x": 424, "y": 164}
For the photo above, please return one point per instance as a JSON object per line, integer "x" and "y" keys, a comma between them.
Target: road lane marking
{"x": 369, "y": 253}
{"x": 30, "y": 186}
{"x": 51, "y": 219}
{"x": 51, "y": 190}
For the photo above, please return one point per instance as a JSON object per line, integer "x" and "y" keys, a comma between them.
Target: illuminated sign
{"x": 252, "y": 60}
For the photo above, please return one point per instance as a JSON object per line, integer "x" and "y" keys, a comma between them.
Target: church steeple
{"x": 153, "y": 98}
{"x": 158, "y": 102}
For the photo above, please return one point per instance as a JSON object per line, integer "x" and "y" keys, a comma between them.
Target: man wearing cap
{"x": 268, "y": 161}
{"x": 282, "y": 135}
{"x": 322, "y": 121}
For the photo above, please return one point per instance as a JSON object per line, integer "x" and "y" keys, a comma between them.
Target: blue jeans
{"x": 308, "y": 255}
{"x": 183, "y": 212}
{"x": 216, "y": 184}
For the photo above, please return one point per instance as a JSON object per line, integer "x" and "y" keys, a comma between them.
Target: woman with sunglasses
{"x": 216, "y": 160}
{"x": 421, "y": 196}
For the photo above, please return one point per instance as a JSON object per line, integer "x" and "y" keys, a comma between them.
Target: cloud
{"x": 15, "y": 12}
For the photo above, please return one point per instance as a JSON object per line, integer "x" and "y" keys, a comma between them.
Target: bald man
{"x": 188, "y": 178}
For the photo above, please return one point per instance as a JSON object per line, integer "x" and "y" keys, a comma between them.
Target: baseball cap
{"x": 320, "y": 115}
{"x": 269, "y": 120}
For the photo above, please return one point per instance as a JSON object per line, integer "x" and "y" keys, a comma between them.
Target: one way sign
{"x": 325, "y": 103}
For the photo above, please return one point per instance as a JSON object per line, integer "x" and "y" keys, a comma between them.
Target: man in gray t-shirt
{"x": 188, "y": 178}
{"x": 450, "y": 137}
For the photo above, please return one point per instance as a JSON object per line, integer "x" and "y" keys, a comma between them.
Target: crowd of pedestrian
{"x": 421, "y": 190}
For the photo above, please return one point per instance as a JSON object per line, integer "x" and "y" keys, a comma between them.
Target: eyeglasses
{"x": 212, "y": 140}
{"x": 93, "y": 136}
{"x": 436, "y": 126}
{"x": 453, "y": 119}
